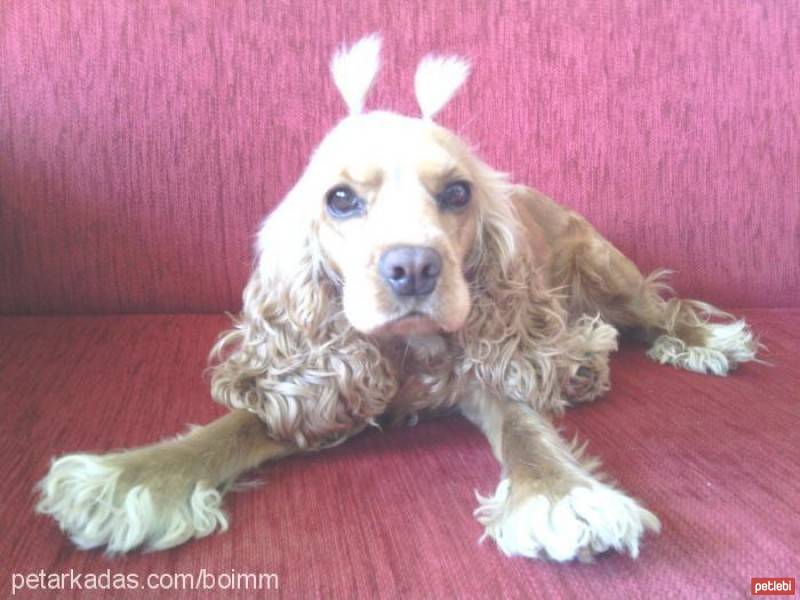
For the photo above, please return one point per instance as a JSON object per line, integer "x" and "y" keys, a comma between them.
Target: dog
{"x": 400, "y": 278}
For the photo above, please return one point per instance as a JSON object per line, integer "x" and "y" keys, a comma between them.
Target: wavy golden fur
{"x": 496, "y": 301}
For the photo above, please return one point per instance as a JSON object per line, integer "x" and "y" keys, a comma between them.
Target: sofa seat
{"x": 389, "y": 514}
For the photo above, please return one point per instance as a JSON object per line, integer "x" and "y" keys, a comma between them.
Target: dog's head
{"x": 395, "y": 210}
{"x": 394, "y": 229}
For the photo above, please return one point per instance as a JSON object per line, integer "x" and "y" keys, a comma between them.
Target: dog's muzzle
{"x": 411, "y": 270}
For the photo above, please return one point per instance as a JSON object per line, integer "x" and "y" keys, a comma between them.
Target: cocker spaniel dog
{"x": 400, "y": 278}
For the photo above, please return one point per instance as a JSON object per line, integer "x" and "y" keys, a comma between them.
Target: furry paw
{"x": 588, "y": 382}
{"x": 589, "y": 376}
{"x": 726, "y": 345}
{"x": 587, "y": 521}
{"x": 97, "y": 501}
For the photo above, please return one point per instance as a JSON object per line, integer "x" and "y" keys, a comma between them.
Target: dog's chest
{"x": 425, "y": 367}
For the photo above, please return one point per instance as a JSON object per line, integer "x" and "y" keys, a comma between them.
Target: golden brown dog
{"x": 402, "y": 277}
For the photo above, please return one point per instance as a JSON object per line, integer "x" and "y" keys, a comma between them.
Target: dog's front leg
{"x": 157, "y": 496}
{"x": 549, "y": 503}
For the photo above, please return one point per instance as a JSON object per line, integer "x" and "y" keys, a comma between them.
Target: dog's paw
{"x": 588, "y": 376}
{"x": 726, "y": 345}
{"x": 588, "y": 382}
{"x": 587, "y": 521}
{"x": 100, "y": 501}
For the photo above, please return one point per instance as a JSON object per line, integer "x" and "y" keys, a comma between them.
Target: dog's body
{"x": 403, "y": 277}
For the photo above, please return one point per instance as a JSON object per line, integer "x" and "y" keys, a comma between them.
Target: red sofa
{"x": 140, "y": 146}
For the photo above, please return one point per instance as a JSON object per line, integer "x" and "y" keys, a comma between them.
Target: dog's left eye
{"x": 343, "y": 202}
{"x": 455, "y": 196}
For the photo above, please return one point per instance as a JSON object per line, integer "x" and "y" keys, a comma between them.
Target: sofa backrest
{"x": 141, "y": 144}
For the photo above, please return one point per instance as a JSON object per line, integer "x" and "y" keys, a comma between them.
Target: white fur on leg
{"x": 82, "y": 493}
{"x": 727, "y": 345}
{"x": 589, "y": 520}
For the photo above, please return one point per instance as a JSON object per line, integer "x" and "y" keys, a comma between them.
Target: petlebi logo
{"x": 773, "y": 586}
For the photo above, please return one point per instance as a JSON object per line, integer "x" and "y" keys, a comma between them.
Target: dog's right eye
{"x": 343, "y": 202}
{"x": 455, "y": 196}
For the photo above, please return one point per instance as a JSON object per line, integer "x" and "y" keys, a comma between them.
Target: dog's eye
{"x": 455, "y": 196}
{"x": 343, "y": 202}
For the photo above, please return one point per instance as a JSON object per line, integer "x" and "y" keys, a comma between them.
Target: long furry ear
{"x": 437, "y": 80}
{"x": 354, "y": 70}
{"x": 498, "y": 230}
{"x": 292, "y": 358}
{"x": 515, "y": 340}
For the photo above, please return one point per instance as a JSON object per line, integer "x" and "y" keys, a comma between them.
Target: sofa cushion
{"x": 390, "y": 513}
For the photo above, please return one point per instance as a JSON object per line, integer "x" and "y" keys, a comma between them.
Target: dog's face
{"x": 397, "y": 201}
{"x": 396, "y": 210}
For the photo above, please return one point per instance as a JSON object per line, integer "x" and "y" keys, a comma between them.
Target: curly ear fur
{"x": 517, "y": 340}
{"x": 292, "y": 358}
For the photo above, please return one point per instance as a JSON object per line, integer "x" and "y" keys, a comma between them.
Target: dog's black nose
{"x": 411, "y": 270}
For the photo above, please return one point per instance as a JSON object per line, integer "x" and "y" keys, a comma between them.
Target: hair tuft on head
{"x": 437, "y": 80}
{"x": 354, "y": 70}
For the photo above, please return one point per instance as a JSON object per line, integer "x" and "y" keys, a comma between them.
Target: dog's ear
{"x": 497, "y": 266}
{"x": 513, "y": 336}
{"x": 497, "y": 243}
{"x": 292, "y": 358}
{"x": 354, "y": 70}
{"x": 437, "y": 80}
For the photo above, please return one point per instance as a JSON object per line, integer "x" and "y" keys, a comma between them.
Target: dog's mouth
{"x": 413, "y": 322}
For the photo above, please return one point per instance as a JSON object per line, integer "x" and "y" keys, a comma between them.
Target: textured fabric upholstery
{"x": 142, "y": 142}
{"x": 388, "y": 514}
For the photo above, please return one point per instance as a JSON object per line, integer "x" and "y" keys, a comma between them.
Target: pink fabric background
{"x": 142, "y": 143}
{"x": 389, "y": 514}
